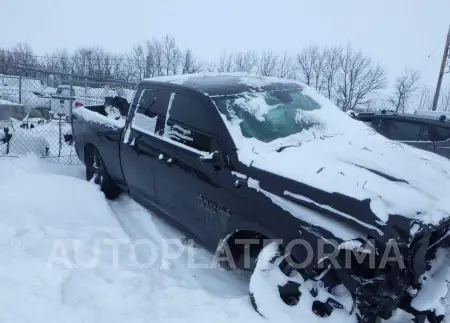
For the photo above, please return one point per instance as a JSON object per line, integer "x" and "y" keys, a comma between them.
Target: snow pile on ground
{"x": 24, "y": 142}
{"x": 57, "y": 236}
{"x": 68, "y": 255}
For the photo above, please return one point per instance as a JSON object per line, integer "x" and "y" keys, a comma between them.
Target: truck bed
{"x": 102, "y": 127}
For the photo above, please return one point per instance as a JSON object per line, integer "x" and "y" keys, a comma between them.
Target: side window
{"x": 190, "y": 111}
{"x": 440, "y": 133}
{"x": 153, "y": 101}
{"x": 188, "y": 122}
{"x": 187, "y": 136}
{"x": 151, "y": 108}
{"x": 406, "y": 131}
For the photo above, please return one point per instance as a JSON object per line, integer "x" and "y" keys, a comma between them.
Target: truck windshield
{"x": 267, "y": 116}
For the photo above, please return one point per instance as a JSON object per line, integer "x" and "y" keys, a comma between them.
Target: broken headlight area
{"x": 382, "y": 279}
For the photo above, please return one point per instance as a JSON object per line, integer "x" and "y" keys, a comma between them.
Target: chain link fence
{"x": 35, "y": 112}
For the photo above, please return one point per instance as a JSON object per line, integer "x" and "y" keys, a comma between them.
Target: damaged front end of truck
{"x": 379, "y": 278}
{"x": 385, "y": 278}
{"x": 387, "y": 267}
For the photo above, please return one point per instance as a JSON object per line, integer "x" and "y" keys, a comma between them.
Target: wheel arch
{"x": 87, "y": 150}
{"x": 234, "y": 243}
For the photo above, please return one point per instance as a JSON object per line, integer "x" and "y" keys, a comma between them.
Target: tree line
{"x": 343, "y": 74}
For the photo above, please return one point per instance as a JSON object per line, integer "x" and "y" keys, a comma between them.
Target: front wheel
{"x": 97, "y": 173}
{"x": 278, "y": 292}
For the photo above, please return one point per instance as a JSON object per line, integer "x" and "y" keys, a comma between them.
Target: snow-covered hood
{"x": 396, "y": 178}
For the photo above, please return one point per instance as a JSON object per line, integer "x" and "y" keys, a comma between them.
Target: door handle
{"x": 240, "y": 183}
{"x": 168, "y": 160}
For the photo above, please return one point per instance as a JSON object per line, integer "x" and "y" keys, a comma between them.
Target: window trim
{"x": 163, "y": 137}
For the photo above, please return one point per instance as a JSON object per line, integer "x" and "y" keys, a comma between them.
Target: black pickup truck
{"x": 320, "y": 199}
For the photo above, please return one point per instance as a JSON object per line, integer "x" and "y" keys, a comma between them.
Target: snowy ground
{"x": 50, "y": 221}
{"x": 58, "y": 237}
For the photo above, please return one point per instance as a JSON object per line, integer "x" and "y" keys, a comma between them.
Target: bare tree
{"x": 267, "y": 63}
{"x": 118, "y": 67}
{"x": 176, "y": 60}
{"x": 225, "y": 63}
{"x": 331, "y": 69}
{"x": 171, "y": 55}
{"x": 245, "y": 61}
{"x": 358, "y": 78}
{"x": 210, "y": 66}
{"x": 444, "y": 103}
{"x": 404, "y": 88}
{"x": 155, "y": 58}
{"x": 3, "y": 61}
{"x": 189, "y": 63}
{"x": 139, "y": 58}
{"x": 424, "y": 101}
{"x": 24, "y": 57}
{"x": 286, "y": 68}
{"x": 128, "y": 69}
{"x": 63, "y": 57}
{"x": 311, "y": 64}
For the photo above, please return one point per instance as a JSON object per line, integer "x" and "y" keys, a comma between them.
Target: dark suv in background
{"x": 425, "y": 132}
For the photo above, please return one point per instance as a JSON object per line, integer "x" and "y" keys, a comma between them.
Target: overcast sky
{"x": 397, "y": 33}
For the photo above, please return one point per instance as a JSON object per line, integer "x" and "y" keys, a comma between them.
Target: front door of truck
{"x": 188, "y": 186}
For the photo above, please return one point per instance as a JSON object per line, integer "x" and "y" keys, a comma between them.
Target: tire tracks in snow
{"x": 182, "y": 264}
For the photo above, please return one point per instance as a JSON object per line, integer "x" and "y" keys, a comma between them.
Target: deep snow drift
{"x": 68, "y": 255}
{"x": 57, "y": 237}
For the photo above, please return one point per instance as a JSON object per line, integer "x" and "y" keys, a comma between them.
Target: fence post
{"x": 71, "y": 99}
{"x": 59, "y": 139}
{"x": 85, "y": 92}
{"x": 20, "y": 87}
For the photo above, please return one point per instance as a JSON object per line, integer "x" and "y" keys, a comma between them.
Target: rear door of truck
{"x": 138, "y": 153}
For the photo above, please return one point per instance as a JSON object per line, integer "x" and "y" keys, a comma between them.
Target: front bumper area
{"x": 378, "y": 292}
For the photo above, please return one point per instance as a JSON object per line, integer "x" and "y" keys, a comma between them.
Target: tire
{"x": 263, "y": 288}
{"x": 279, "y": 293}
{"x": 97, "y": 173}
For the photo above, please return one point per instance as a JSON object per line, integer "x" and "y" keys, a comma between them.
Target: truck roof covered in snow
{"x": 213, "y": 84}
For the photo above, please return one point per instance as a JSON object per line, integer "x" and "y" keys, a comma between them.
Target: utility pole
{"x": 441, "y": 72}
